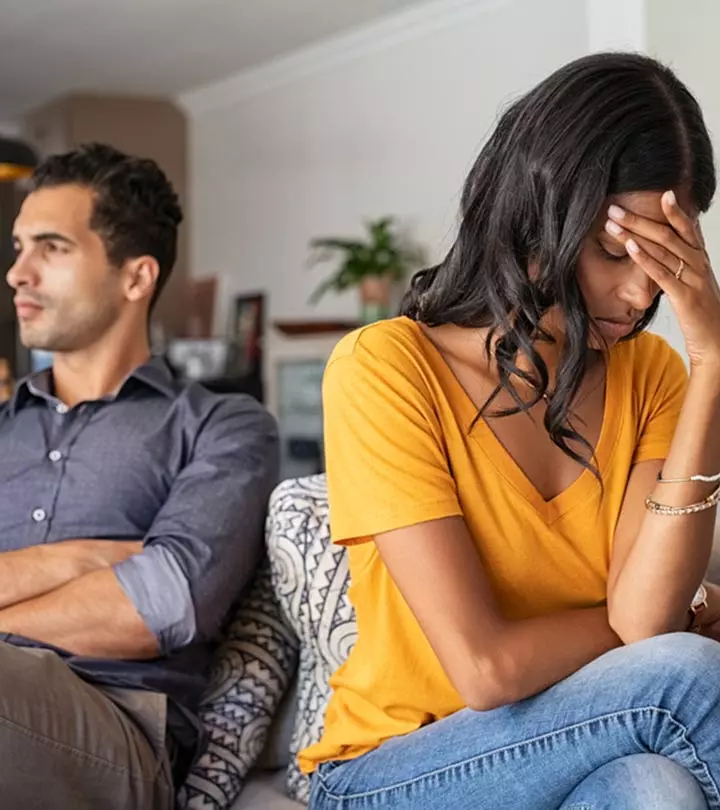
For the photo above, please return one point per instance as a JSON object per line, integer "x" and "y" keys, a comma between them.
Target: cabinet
{"x": 9, "y": 203}
{"x": 293, "y": 371}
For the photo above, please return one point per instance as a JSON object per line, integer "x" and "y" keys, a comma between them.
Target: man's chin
{"x": 34, "y": 342}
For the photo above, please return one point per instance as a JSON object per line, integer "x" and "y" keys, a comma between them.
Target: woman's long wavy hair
{"x": 604, "y": 124}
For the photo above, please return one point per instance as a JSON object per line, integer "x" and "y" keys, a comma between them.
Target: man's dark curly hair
{"x": 136, "y": 210}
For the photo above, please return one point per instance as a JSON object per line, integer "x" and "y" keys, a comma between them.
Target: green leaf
{"x": 383, "y": 253}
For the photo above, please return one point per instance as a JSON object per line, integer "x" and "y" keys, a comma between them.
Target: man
{"x": 131, "y": 506}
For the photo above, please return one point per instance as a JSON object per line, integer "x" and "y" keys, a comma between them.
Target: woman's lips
{"x": 615, "y": 329}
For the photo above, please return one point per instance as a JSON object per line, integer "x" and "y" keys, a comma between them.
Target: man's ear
{"x": 141, "y": 275}
{"x": 533, "y": 270}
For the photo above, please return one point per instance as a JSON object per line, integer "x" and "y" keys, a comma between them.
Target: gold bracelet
{"x": 662, "y": 509}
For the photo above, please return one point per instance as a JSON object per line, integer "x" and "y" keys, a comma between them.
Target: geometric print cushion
{"x": 310, "y": 579}
{"x": 251, "y": 670}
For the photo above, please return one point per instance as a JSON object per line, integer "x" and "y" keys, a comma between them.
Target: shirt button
{"x": 39, "y": 515}
{"x": 62, "y": 408}
{"x": 54, "y": 455}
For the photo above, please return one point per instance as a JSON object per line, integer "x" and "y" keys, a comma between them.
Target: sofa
{"x": 269, "y": 685}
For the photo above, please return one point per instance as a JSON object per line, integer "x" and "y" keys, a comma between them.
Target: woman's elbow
{"x": 630, "y": 626}
{"x": 486, "y": 701}
{"x": 486, "y": 688}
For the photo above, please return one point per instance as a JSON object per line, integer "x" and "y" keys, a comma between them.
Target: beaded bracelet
{"x": 707, "y": 479}
{"x": 662, "y": 509}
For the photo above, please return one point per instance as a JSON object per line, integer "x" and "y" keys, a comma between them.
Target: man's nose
{"x": 19, "y": 273}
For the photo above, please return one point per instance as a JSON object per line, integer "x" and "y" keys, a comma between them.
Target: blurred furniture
{"x": 17, "y": 160}
{"x": 250, "y": 384}
{"x": 211, "y": 362}
{"x": 6, "y": 380}
{"x": 295, "y": 355}
{"x": 201, "y": 295}
{"x": 10, "y": 197}
{"x": 268, "y": 688}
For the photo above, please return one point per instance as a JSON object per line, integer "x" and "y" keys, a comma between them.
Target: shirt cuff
{"x": 157, "y": 586}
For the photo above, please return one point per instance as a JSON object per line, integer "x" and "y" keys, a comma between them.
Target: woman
{"x": 513, "y": 466}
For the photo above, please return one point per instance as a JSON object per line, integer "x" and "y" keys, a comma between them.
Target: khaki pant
{"x": 67, "y": 745}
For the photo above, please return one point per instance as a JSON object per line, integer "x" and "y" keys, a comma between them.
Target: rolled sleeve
{"x": 205, "y": 543}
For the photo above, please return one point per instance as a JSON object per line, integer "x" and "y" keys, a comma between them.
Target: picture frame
{"x": 247, "y": 330}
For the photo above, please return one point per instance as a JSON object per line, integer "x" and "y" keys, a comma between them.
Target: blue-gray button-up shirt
{"x": 187, "y": 471}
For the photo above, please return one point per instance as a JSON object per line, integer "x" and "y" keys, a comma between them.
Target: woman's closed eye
{"x": 611, "y": 256}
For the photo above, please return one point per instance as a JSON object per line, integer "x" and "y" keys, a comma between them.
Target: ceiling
{"x": 155, "y": 47}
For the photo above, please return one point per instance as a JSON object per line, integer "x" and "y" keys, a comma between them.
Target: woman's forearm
{"x": 533, "y": 654}
{"x": 653, "y": 590}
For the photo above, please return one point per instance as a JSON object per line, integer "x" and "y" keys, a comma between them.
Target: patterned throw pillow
{"x": 252, "y": 669}
{"x": 310, "y": 578}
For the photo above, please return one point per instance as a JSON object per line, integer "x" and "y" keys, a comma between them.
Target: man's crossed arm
{"x": 66, "y": 594}
{"x": 31, "y": 572}
{"x": 123, "y": 599}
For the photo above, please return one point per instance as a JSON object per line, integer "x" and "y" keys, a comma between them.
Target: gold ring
{"x": 679, "y": 271}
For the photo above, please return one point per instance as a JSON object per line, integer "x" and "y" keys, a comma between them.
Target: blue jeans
{"x": 637, "y": 729}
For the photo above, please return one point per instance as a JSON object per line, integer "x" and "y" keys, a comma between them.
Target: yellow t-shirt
{"x": 400, "y": 451}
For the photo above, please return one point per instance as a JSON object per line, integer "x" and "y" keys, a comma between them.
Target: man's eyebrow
{"x": 47, "y": 236}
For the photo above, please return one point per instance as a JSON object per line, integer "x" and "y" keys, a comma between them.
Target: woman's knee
{"x": 638, "y": 782}
{"x": 674, "y": 654}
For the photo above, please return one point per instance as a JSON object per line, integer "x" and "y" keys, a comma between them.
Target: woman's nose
{"x": 638, "y": 289}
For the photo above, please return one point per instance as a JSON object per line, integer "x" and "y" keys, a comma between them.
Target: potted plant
{"x": 372, "y": 265}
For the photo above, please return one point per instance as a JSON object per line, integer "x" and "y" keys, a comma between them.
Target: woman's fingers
{"x": 662, "y": 234}
{"x": 668, "y": 253}
{"x": 669, "y": 261}
{"x": 680, "y": 221}
{"x": 658, "y": 272}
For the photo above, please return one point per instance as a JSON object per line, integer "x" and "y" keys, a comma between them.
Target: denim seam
{"x": 515, "y": 746}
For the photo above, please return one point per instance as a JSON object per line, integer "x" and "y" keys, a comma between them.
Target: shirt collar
{"x": 156, "y": 374}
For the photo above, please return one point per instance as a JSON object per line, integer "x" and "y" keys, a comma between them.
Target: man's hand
{"x": 66, "y": 594}
{"x": 31, "y": 572}
{"x": 90, "y": 616}
{"x": 99, "y": 554}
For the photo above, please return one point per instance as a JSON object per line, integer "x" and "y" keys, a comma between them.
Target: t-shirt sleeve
{"x": 386, "y": 463}
{"x": 664, "y": 394}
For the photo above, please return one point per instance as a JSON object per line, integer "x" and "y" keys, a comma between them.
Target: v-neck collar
{"x": 584, "y": 486}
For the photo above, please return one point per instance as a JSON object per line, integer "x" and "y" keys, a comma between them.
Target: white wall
{"x": 9, "y": 128}
{"x": 388, "y": 120}
{"x": 384, "y": 121}
{"x": 685, "y": 37}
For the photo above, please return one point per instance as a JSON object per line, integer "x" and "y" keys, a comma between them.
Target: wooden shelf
{"x": 308, "y": 328}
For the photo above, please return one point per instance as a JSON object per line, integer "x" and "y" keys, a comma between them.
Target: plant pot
{"x": 374, "y": 298}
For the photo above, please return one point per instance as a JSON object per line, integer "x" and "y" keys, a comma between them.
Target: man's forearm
{"x": 30, "y": 572}
{"x": 90, "y": 616}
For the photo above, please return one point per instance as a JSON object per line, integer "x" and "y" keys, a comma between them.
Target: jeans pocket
{"x": 326, "y": 768}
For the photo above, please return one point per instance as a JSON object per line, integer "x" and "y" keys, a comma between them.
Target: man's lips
{"x": 26, "y": 308}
